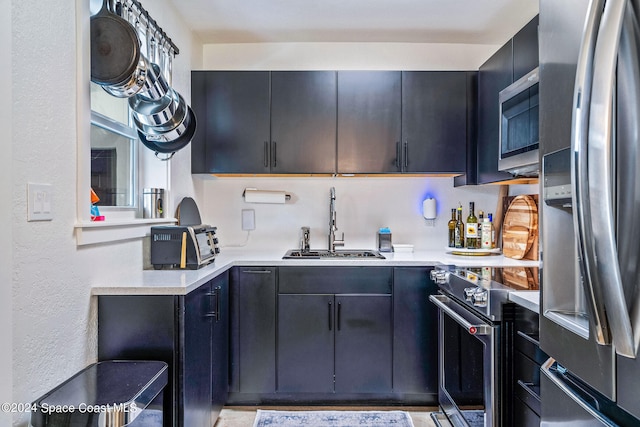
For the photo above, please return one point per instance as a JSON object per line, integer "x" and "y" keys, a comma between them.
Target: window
{"x": 113, "y": 154}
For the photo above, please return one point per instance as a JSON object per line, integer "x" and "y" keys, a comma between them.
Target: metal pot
{"x": 174, "y": 134}
{"x": 172, "y": 128}
{"x": 155, "y": 86}
{"x": 115, "y": 48}
{"x": 172, "y": 146}
{"x": 154, "y": 112}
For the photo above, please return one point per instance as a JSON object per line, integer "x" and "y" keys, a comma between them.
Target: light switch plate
{"x": 39, "y": 202}
{"x": 248, "y": 219}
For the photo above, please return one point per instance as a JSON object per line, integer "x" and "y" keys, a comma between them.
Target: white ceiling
{"x": 404, "y": 21}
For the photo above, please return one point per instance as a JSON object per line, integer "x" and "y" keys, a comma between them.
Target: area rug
{"x": 332, "y": 419}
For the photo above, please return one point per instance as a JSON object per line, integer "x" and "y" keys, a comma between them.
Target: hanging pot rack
{"x": 165, "y": 123}
{"x": 146, "y": 22}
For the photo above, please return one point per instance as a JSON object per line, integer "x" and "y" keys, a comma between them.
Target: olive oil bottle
{"x": 459, "y": 232}
{"x": 452, "y": 229}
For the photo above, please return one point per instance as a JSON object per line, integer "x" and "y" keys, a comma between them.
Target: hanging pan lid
{"x": 115, "y": 47}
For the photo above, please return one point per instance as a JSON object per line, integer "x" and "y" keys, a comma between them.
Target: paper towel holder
{"x": 265, "y": 196}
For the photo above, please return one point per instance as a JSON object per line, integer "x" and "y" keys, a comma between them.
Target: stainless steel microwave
{"x": 519, "y": 119}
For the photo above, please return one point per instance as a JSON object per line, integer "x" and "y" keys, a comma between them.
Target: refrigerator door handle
{"x": 601, "y": 184}
{"x": 579, "y": 170}
{"x": 578, "y": 397}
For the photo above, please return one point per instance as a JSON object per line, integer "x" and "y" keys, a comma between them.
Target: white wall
{"x": 52, "y": 320}
{"x": 345, "y": 56}
{"x": 6, "y": 243}
{"x": 363, "y": 206}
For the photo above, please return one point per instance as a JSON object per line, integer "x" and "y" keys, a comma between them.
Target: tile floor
{"x": 243, "y": 416}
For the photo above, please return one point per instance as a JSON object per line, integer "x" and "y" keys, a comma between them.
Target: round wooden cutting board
{"x": 520, "y": 226}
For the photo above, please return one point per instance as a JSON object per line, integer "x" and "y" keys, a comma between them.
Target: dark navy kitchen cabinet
{"x": 494, "y": 75}
{"x": 232, "y": 110}
{"x": 306, "y": 324}
{"x": 513, "y": 60}
{"x": 525, "y": 49}
{"x": 253, "y": 331}
{"x": 320, "y": 122}
{"x": 434, "y": 121}
{"x": 415, "y": 335}
{"x": 363, "y": 343}
{"x": 264, "y": 122}
{"x": 303, "y": 122}
{"x": 523, "y": 360}
{"x": 188, "y": 332}
{"x": 219, "y": 314}
{"x": 206, "y": 343}
{"x": 334, "y": 331}
{"x": 369, "y": 121}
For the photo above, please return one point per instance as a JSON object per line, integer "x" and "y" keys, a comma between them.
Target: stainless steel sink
{"x": 325, "y": 254}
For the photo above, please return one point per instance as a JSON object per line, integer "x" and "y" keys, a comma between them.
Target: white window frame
{"x": 130, "y": 133}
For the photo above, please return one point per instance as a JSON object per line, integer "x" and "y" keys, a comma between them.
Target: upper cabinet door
{"x": 493, "y": 76}
{"x": 525, "y": 49}
{"x": 303, "y": 122}
{"x": 232, "y": 109}
{"x": 434, "y": 121}
{"x": 369, "y": 121}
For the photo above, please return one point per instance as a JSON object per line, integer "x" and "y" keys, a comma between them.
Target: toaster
{"x": 175, "y": 246}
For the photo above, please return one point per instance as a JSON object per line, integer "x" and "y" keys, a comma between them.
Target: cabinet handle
{"x": 339, "y": 314}
{"x": 406, "y": 154}
{"x": 257, "y": 271}
{"x": 218, "y": 292}
{"x": 330, "y": 316}
{"x": 398, "y": 155}
{"x": 266, "y": 154}
{"x": 213, "y": 313}
{"x": 274, "y": 156}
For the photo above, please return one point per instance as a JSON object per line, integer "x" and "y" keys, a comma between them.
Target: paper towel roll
{"x": 252, "y": 195}
{"x": 429, "y": 208}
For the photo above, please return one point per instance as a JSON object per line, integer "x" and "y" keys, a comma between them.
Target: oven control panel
{"x": 475, "y": 288}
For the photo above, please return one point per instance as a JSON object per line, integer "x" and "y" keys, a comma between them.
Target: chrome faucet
{"x": 332, "y": 223}
{"x": 304, "y": 242}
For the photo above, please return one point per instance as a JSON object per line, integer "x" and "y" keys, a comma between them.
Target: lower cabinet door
{"x": 197, "y": 358}
{"x": 220, "y": 344}
{"x": 256, "y": 324}
{"x": 363, "y": 340}
{"x": 305, "y": 343}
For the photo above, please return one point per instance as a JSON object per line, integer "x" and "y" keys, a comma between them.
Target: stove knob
{"x": 480, "y": 297}
{"x": 440, "y": 277}
{"x": 468, "y": 293}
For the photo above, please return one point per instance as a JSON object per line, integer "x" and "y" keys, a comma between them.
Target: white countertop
{"x": 527, "y": 299}
{"x": 181, "y": 282}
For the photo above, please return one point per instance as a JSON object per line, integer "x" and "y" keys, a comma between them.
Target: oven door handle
{"x": 472, "y": 324}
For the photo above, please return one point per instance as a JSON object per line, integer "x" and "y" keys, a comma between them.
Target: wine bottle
{"x": 459, "y": 232}
{"x": 452, "y": 229}
{"x": 471, "y": 234}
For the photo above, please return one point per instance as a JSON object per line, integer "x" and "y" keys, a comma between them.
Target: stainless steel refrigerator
{"x": 590, "y": 143}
